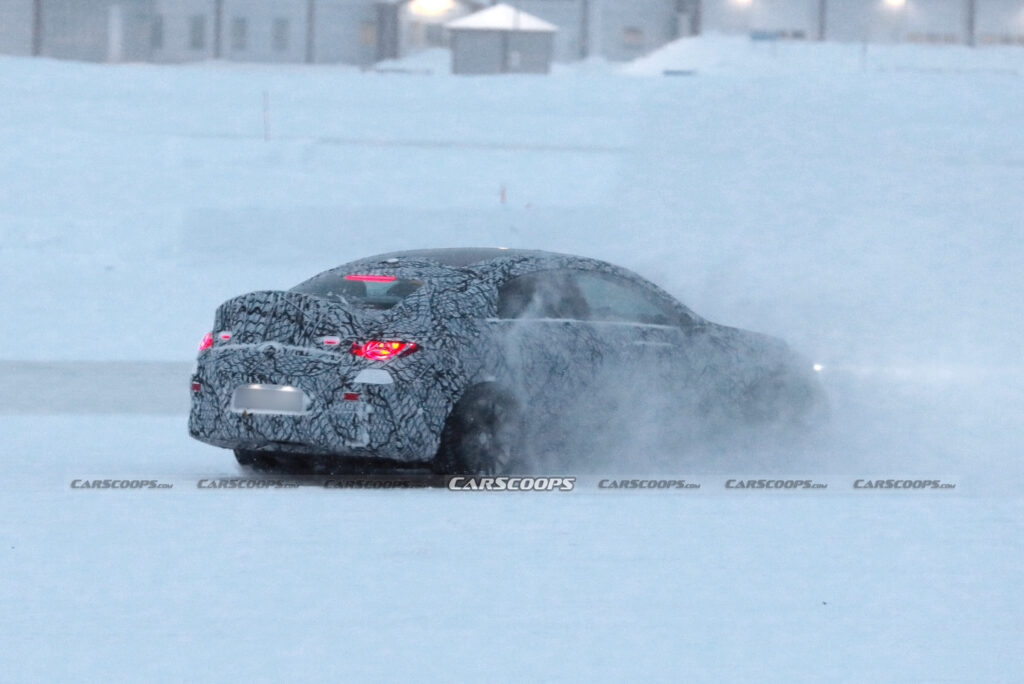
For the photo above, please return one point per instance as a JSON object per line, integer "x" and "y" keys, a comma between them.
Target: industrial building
{"x": 362, "y": 32}
{"x": 875, "y": 21}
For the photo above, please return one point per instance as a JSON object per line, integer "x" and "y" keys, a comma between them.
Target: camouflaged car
{"x": 472, "y": 361}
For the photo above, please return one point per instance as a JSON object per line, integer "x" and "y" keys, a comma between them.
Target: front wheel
{"x": 482, "y": 436}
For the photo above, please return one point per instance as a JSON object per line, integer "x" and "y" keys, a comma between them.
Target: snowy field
{"x": 865, "y": 205}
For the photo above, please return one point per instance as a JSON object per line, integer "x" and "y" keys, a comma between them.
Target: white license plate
{"x": 269, "y": 399}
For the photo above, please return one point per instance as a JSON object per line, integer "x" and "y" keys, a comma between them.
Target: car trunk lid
{"x": 287, "y": 318}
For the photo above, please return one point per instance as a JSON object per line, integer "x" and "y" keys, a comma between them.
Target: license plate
{"x": 269, "y": 399}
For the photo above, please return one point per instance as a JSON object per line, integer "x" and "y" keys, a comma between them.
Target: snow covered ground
{"x": 866, "y": 207}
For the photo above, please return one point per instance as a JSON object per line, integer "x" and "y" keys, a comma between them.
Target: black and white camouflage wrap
{"x": 554, "y": 367}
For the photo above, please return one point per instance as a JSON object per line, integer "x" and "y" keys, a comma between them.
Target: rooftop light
{"x": 431, "y": 8}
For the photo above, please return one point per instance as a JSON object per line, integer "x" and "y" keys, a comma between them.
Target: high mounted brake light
{"x": 371, "y": 278}
{"x": 382, "y": 350}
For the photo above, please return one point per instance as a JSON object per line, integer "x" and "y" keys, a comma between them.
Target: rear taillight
{"x": 382, "y": 350}
{"x": 371, "y": 278}
{"x": 209, "y": 338}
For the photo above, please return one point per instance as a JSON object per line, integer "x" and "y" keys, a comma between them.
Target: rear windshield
{"x": 362, "y": 291}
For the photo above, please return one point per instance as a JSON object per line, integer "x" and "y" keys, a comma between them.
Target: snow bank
{"x": 717, "y": 53}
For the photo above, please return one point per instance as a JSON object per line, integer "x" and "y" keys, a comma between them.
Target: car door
{"x": 646, "y": 339}
{"x": 549, "y": 351}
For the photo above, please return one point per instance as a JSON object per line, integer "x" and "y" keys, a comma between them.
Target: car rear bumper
{"x": 302, "y": 401}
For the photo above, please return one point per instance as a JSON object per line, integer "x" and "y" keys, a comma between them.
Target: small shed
{"x": 501, "y": 40}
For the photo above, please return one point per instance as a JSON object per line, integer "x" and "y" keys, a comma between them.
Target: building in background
{"x": 348, "y": 31}
{"x": 876, "y": 21}
{"x": 265, "y": 30}
{"x": 362, "y": 32}
{"x": 617, "y": 30}
{"x": 16, "y": 27}
{"x": 192, "y": 30}
{"x": 501, "y": 40}
{"x": 422, "y": 22}
{"x": 93, "y": 30}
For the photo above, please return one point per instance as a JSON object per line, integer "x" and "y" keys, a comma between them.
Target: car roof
{"x": 463, "y": 257}
{"x": 458, "y": 257}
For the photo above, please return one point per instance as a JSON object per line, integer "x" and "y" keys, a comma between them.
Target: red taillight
{"x": 371, "y": 278}
{"x": 196, "y": 387}
{"x": 331, "y": 341}
{"x": 226, "y": 335}
{"x": 207, "y": 341}
{"x": 351, "y": 396}
{"x": 382, "y": 350}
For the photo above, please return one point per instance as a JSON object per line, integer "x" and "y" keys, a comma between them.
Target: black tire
{"x": 482, "y": 436}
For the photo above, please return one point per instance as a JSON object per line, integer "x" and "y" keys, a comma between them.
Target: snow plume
{"x": 598, "y": 394}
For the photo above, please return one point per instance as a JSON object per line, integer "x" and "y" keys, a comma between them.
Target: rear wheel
{"x": 482, "y": 436}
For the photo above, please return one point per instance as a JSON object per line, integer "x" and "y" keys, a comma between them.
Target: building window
{"x": 368, "y": 33}
{"x": 239, "y": 33}
{"x": 633, "y": 37}
{"x": 435, "y": 35}
{"x": 280, "y": 35}
{"x": 156, "y": 33}
{"x": 416, "y": 34}
{"x": 197, "y": 32}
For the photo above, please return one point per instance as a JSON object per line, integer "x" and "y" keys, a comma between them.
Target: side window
{"x": 197, "y": 32}
{"x": 281, "y": 34}
{"x": 615, "y": 300}
{"x": 156, "y": 33}
{"x": 239, "y": 33}
{"x": 550, "y": 294}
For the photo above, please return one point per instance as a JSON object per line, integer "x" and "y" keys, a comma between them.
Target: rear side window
{"x": 551, "y": 294}
{"x": 374, "y": 292}
{"x": 614, "y": 300}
